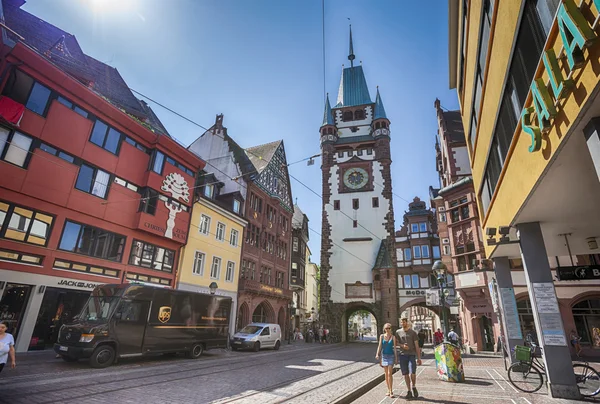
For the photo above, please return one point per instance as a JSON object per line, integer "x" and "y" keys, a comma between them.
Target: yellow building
{"x": 214, "y": 247}
{"x": 527, "y": 74}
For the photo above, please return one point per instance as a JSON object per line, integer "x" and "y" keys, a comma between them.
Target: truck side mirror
{"x": 118, "y": 315}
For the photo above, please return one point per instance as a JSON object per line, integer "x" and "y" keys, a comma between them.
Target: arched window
{"x": 359, "y": 115}
{"x": 347, "y": 116}
{"x": 330, "y": 131}
{"x": 378, "y": 125}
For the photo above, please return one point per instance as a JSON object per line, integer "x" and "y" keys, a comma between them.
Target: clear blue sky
{"x": 260, "y": 63}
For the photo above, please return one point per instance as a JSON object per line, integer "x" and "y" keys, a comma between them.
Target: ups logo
{"x": 164, "y": 314}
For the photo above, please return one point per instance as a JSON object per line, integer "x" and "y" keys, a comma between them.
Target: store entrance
{"x": 59, "y": 306}
{"x": 13, "y": 303}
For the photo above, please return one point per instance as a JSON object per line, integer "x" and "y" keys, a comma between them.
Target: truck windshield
{"x": 250, "y": 329}
{"x": 98, "y": 308}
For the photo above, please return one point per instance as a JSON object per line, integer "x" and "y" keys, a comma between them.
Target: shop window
{"x": 151, "y": 256}
{"x": 93, "y": 241}
{"x": 13, "y": 305}
{"x": 26, "y": 225}
{"x": 93, "y": 181}
{"x": 587, "y": 321}
{"x": 14, "y": 147}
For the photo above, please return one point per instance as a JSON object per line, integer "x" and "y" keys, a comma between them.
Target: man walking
{"x": 438, "y": 337}
{"x": 410, "y": 357}
{"x": 453, "y": 337}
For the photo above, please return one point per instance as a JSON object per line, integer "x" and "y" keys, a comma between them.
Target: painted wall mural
{"x": 177, "y": 186}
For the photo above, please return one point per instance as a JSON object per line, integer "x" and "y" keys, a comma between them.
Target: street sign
{"x": 578, "y": 273}
{"x": 432, "y": 297}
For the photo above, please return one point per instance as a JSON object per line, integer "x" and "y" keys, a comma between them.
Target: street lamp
{"x": 439, "y": 269}
{"x": 213, "y": 288}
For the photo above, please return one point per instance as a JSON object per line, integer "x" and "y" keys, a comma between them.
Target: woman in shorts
{"x": 389, "y": 356}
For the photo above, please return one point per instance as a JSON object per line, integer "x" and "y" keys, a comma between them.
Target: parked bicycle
{"x": 528, "y": 373}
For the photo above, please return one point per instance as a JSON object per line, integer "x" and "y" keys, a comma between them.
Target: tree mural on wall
{"x": 177, "y": 186}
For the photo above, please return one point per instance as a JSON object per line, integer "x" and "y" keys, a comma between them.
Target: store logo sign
{"x": 76, "y": 284}
{"x": 576, "y": 35}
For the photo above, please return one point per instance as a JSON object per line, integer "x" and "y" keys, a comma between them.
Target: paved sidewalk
{"x": 486, "y": 382}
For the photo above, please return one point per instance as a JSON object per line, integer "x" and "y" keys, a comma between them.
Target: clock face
{"x": 356, "y": 178}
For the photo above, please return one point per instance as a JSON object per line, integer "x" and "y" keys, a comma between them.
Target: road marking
{"x": 526, "y": 400}
{"x": 514, "y": 402}
{"x": 495, "y": 380}
{"x": 510, "y": 384}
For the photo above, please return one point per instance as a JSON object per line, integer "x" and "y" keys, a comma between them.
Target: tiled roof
{"x": 353, "y": 88}
{"x": 383, "y": 257}
{"x": 261, "y": 155}
{"x": 454, "y": 126}
{"x": 298, "y": 218}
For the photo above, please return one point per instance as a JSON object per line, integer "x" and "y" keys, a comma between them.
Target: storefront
{"x": 586, "y": 315}
{"x": 35, "y": 306}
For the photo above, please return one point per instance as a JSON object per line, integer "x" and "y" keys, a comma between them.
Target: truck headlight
{"x": 252, "y": 339}
{"x": 86, "y": 338}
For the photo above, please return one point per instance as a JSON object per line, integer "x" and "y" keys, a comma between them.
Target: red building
{"x": 93, "y": 189}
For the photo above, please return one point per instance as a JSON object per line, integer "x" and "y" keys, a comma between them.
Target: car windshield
{"x": 98, "y": 308}
{"x": 250, "y": 329}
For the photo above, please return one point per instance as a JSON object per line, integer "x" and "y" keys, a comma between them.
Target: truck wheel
{"x": 277, "y": 345}
{"x": 196, "y": 351}
{"x": 256, "y": 346}
{"x": 234, "y": 348}
{"x": 103, "y": 356}
{"x": 68, "y": 358}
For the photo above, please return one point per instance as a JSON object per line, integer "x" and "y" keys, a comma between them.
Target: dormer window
{"x": 236, "y": 206}
{"x": 209, "y": 191}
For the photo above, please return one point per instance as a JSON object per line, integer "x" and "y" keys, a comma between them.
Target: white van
{"x": 257, "y": 336}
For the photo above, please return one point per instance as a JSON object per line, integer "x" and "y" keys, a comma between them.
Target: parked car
{"x": 256, "y": 336}
{"x": 121, "y": 321}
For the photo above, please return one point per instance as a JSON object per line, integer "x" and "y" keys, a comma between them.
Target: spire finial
{"x": 351, "y": 56}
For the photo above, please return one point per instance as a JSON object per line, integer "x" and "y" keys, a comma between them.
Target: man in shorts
{"x": 410, "y": 356}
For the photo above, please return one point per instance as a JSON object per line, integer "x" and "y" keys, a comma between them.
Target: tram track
{"x": 198, "y": 372}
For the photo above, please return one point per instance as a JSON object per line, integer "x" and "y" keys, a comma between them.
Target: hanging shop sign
{"x": 576, "y": 34}
{"x": 578, "y": 273}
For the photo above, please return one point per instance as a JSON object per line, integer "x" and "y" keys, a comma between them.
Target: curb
{"x": 361, "y": 390}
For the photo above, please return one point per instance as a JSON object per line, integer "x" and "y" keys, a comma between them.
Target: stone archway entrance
{"x": 243, "y": 316}
{"x": 368, "y": 316}
{"x": 263, "y": 313}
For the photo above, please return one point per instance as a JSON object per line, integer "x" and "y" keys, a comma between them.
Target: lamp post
{"x": 439, "y": 269}
{"x": 213, "y": 288}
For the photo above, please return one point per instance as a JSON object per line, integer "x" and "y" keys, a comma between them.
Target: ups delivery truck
{"x": 121, "y": 321}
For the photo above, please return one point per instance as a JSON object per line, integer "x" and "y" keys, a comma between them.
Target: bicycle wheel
{"x": 525, "y": 377}
{"x": 588, "y": 380}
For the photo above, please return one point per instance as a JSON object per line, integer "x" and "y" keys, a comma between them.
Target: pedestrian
{"x": 453, "y": 337}
{"x": 421, "y": 335}
{"x": 409, "y": 351}
{"x": 389, "y": 356}
{"x": 325, "y": 334}
{"x": 321, "y": 336}
{"x": 438, "y": 337}
{"x": 7, "y": 347}
{"x": 575, "y": 342}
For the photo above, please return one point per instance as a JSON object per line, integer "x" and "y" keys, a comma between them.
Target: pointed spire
{"x": 327, "y": 116}
{"x": 351, "y": 56}
{"x": 379, "y": 109}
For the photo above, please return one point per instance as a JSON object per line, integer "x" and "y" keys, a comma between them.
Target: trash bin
{"x": 448, "y": 361}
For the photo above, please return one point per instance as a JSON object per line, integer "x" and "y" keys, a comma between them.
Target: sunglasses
{"x": 388, "y": 328}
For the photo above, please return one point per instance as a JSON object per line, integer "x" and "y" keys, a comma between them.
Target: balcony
{"x": 297, "y": 283}
{"x": 251, "y": 286}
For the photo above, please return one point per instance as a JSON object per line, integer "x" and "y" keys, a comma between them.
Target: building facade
{"x": 213, "y": 253}
{"x": 312, "y": 292}
{"x": 459, "y": 231}
{"x": 259, "y": 175}
{"x": 300, "y": 257}
{"x": 358, "y": 218}
{"x": 527, "y": 81}
{"x": 93, "y": 189}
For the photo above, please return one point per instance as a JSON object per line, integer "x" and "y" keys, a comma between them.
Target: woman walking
{"x": 7, "y": 347}
{"x": 389, "y": 356}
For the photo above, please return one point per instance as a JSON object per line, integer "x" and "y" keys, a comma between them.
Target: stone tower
{"x": 358, "y": 258}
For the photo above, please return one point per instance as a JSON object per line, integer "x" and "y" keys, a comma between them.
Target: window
{"x": 470, "y": 247}
{"x": 347, "y": 116}
{"x": 236, "y": 206}
{"x": 56, "y": 152}
{"x": 72, "y": 106}
{"x": 446, "y": 250}
{"x": 38, "y": 99}
{"x": 204, "y": 227}
{"x": 131, "y": 311}
{"x": 150, "y": 256}
{"x": 375, "y": 202}
{"x": 136, "y": 144}
{"x": 92, "y": 180}
{"x": 443, "y": 217}
{"x": 295, "y": 244}
{"x": 417, "y": 251}
{"x": 407, "y": 283}
{"x": 215, "y": 269}
{"x": 158, "y": 162}
{"x": 369, "y": 151}
{"x": 336, "y": 205}
{"x": 464, "y": 212}
{"x": 415, "y": 281}
{"x": 462, "y": 263}
{"x": 199, "y": 258}
{"x": 515, "y": 263}
{"x": 414, "y": 228}
{"x": 149, "y": 201}
{"x": 106, "y": 137}
{"x": 95, "y": 242}
{"x": 14, "y": 147}
{"x": 22, "y": 224}
{"x": 359, "y": 115}
{"x": 407, "y": 254}
{"x": 220, "y": 234}
{"x": 425, "y": 251}
{"x": 208, "y": 191}
{"x": 465, "y": 13}
{"x": 126, "y": 184}
{"x": 230, "y": 271}
{"x": 355, "y": 204}
{"x": 423, "y": 227}
{"x": 436, "y": 251}
{"x": 233, "y": 238}
{"x": 81, "y": 267}
{"x": 455, "y": 215}
{"x": 355, "y": 223}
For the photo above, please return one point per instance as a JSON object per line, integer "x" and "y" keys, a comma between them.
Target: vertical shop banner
{"x": 511, "y": 314}
{"x": 548, "y": 311}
